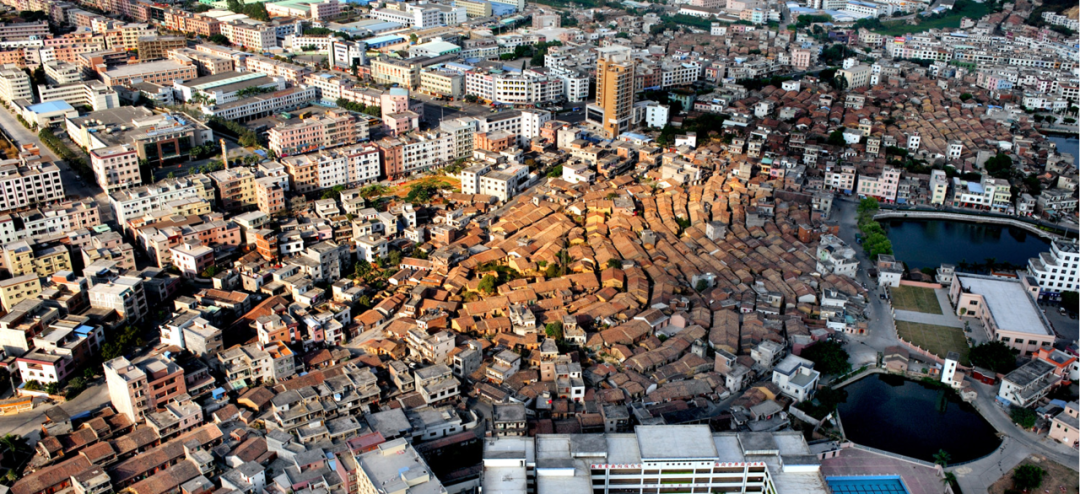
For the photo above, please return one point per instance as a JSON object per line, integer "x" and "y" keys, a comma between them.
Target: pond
{"x": 914, "y": 419}
{"x": 928, "y": 244}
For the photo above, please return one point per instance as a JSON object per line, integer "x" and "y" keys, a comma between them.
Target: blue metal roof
{"x": 50, "y": 106}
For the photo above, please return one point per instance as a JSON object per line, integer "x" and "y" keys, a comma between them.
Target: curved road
{"x": 976, "y": 476}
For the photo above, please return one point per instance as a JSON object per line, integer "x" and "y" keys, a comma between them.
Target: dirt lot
{"x": 403, "y": 189}
{"x": 1058, "y": 479}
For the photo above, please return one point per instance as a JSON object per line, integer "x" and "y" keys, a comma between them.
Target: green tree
{"x": 702, "y": 285}
{"x": 836, "y": 137}
{"x": 555, "y": 172}
{"x": 413, "y": 38}
{"x": 942, "y": 457}
{"x": 88, "y": 374}
{"x": 220, "y": 39}
{"x": 487, "y": 284}
{"x": 829, "y": 357}
{"x": 249, "y": 140}
{"x": 994, "y": 355}
{"x": 554, "y": 330}
{"x": 614, "y": 263}
{"x": 1070, "y": 301}
{"x": 13, "y": 443}
{"x": 1024, "y": 417}
{"x": 999, "y": 166}
{"x": 1028, "y": 477}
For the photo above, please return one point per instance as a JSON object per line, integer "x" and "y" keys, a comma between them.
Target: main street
{"x": 880, "y": 334}
{"x": 74, "y": 184}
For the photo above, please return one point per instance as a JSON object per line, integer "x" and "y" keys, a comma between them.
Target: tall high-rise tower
{"x": 615, "y": 88}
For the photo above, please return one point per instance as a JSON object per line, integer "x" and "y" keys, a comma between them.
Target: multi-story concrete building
{"x": 332, "y": 129}
{"x": 59, "y": 72}
{"x": 158, "y": 47}
{"x": 882, "y": 187}
{"x": 163, "y": 72}
{"x": 23, "y": 257}
{"x": 116, "y": 167}
{"x": 24, "y": 30}
{"x": 269, "y": 195}
{"x": 235, "y": 188}
{"x": 159, "y": 138}
{"x": 349, "y": 166}
{"x": 650, "y": 459}
{"x": 528, "y": 87}
{"x": 25, "y": 181}
{"x": 1006, "y": 308}
{"x": 14, "y": 84}
{"x": 1056, "y": 270}
{"x": 293, "y": 73}
{"x": 19, "y": 288}
{"x": 94, "y": 94}
{"x": 263, "y": 105}
{"x": 137, "y": 389}
{"x": 614, "y": 91}
{"x": 125, "y": 295}
{"x": 206, "y": 63}
{"x": 390, "y": 71}
{"x": 131, "y": 203}
{"x": 443, "y": 82}
{"x": 258, "y": 37}
{"x": 856, "y": 77}
{"x": 394, "y": 467}
{"x": 412, "y": 153}
{"x": 939, "y": 187}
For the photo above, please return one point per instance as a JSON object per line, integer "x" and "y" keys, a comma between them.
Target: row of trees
{"x": 255, "y": 10}
{"x": 245, "y": 136}
{"x": 74, "y": 159}
{"x": 375, "y": 111}
{"x": 875, "y": 241}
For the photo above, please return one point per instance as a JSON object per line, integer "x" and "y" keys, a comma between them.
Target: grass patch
{"x": 916, "y": 299}
{"x": 939, "y": 340}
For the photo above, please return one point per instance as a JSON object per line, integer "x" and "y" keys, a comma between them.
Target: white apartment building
{"x": 14, "y": 84}
{"x": 994, "y": 194}
{"x": 131, "y": 203}
{"x": 93, "y": 94}
{"x": 116, "y": 167}
{"x": 528, "y": 87}
{"x": 263, "y": 105}
{"x": 882, "y": 187}
{"x": 653, "y": 458}
{"x": 24, "y": 182}
{"x": 258, "y": 37}
{"x": 1056, "y": 271}
{"x": 531, "y": 123}
{"x": 59, "y": 72}
{"x": 462, "y": 130}
{"x": 939, "y": 186}
{"x": 679, "y": 74}
{"x": 423, "y": 151}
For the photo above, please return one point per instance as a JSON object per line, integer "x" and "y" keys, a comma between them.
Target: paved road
{"x": 977, "y": 476}
{"x": 29, "y": 424}
{"x": 880, "y": 334}
{"x": 946, "y": 320}
{"x": 74, "y": 185}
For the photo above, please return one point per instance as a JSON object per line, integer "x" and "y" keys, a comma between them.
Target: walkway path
{"x": 924, "y": 318}
{"x": 979, "y": 475}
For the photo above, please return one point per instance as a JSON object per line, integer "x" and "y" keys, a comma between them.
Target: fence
{"x": 920, "y": 284}
{"x": 1035, "y": 226}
